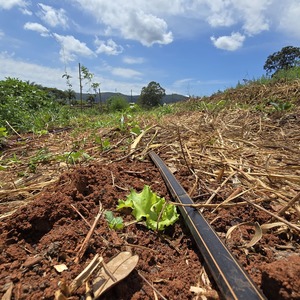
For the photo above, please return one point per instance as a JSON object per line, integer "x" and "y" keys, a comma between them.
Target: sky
{"x": 189, "y": 47}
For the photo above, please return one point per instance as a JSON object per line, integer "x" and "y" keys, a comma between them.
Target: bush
{"x": 117, "y": 103}
{"x": 20, "y": 102}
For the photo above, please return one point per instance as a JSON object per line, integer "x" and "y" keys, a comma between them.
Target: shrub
{"x": 117, "y": 103}
{"x": 21, "y": 101}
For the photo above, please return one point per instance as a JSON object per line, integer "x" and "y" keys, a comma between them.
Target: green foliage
{"x": 117, "y": 103}
{"x": 287, "y": 75}
{"x": 3, "y": 135}
{"x": 148, "y": 205}
{"x": 151, "y": 95}
{"x": 129, "y": 124}
{"x": 288, "y": 57}
{"x": 20, "y": 103}
{"x": 104, "y": 143}
{"x": 115, "y": 223}
{"x": 74, "y": 157}
{"x": 281, "y": 106}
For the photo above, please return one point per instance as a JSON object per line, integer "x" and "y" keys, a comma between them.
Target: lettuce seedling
{"x": 148, "y": 205}
{"x": 115, "y": 223}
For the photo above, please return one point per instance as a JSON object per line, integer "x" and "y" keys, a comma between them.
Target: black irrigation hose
{"x": 232, "y": 280}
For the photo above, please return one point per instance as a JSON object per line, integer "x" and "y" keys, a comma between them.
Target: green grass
{"x": 31, "y": 110}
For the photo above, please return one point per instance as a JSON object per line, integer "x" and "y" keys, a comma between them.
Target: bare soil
{"x": 237, "y": 155}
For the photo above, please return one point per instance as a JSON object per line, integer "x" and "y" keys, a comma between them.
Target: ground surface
{"x": 235, "y": 157}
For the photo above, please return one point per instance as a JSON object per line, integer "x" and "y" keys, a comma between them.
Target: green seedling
{"x": 157, "y": 213}
{"x": 74, "y": 157}
{"x": 115, "y": 223}
{"x": 281, "y": 106}
{"x": 104, "y": 143}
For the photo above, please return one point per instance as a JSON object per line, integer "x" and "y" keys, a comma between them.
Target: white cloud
{"x": 38, "y": 28}
{"x": 26, "y": 11}
{"x": 133, "y": 60}
{"x": 126, "y": 73}
{"x": 290, "y": 19}
{"x": 219, "y": 13}
{"x": 53, "y": 17}
{"x": 131, "y": 20}
{"x": 11, "y": 67}
{"x": 109, "y": 47}
{"x": 254, "y": 15}
{"x": 251, "y": 15}
{"x": 147, "y": 29}
{"x": 153, "y": 22}
{"x": 8, "y": 4}
{"x": 52, "y": 77}
{"x": 230, "y": 43}
{"x": 71, "y": 47}
{"x": 1, "y": 34}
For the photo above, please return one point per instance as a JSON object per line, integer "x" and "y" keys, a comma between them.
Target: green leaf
{"x": 148, "y": 205}
{"x": 113, "y": 222}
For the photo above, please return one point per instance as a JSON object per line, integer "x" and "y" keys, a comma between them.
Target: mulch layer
{"x": 240, "y": 167}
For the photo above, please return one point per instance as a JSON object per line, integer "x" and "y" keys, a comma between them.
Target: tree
{"x": 70, "y": 93}
{"x": 151, "y": 95}
{"x": 287, "y": 58}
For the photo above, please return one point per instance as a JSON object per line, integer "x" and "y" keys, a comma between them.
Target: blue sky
{"x": 190, "y": 47}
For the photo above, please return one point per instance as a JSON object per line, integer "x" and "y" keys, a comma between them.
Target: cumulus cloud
{"x": 254, "y": 15}
{"x": 130, "y": 20}
{"x": 38, "y": 28}
{"x": 251, "y": 15}
{"x": 230, "y": 43}
{"x": 147, "y": 29}
{"x": 53, "y": 17}
{"x": 12, "y": 67}
{"x": 126, "y": 73}
{"x": 133, "y": 60}
{"x": 8, "y": 4}
{"x": 150, "y": 22}
{"x": 71, "y": 47}
{"x": 109, "y": 47}
{"x": 290, "y": 21}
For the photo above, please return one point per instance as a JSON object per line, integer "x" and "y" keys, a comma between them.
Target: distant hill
{"x": 106, "y": 95}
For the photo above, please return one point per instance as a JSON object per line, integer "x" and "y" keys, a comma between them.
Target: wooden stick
{"x": 183, "y": 154}
{"x": 13, "y": 130}
{"x": 218, "y": 189}
{"x": 274, "y": 216}
{"x": 235, "y": 194}
{"x": 151, "y": 285}
{"x": 291, "y": 203}
{"x": 88, "y": 236}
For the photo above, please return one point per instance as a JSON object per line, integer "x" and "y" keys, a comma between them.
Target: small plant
{"x": 74, "y": 157}
{"x": 281, "y": 106}
{"x": 42, "y": 156}
{"x": 157, "y": 212}
{"x": 104, "y": 143}
{"x": 128, "y": 123}
{"x": 115, "y": 223}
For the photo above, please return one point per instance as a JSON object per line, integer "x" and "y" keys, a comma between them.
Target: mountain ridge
{"x": 171, "y": 98}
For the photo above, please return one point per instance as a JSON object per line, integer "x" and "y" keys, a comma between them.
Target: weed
{"x": 281, "y": 106}
{"x": 74, "y": 157}
{"x": 115, "y": 223}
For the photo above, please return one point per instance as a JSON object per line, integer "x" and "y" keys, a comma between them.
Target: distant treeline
{"x": 106, "y": 95}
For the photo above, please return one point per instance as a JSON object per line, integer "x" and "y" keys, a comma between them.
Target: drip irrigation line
{"x": 231, "y": 278}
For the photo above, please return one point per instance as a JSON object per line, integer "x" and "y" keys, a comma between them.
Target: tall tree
{"x": 151, "y": 95}
{"x": 288, "y": 57}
